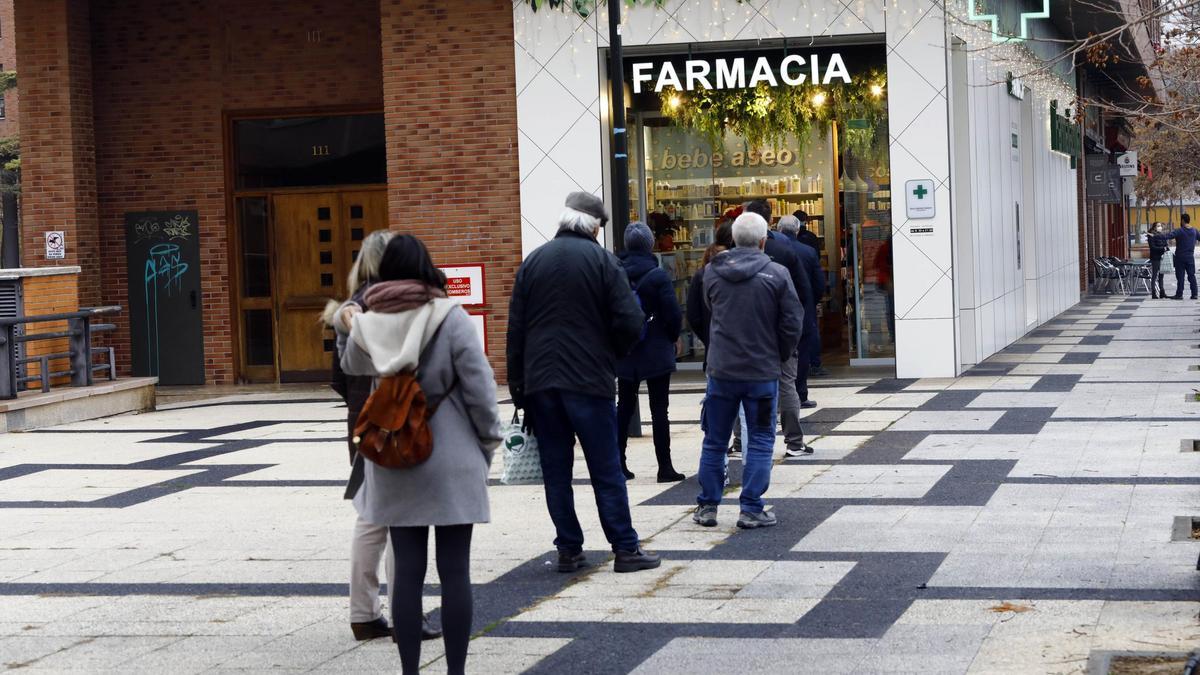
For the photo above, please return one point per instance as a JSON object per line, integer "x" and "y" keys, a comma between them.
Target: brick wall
{"x": 52, "y": 294}
{"x": 167, "y": 73}
{"x": 449, "y": 88}
{"x": 160, "y": 138}
{"x": 9, "y": 126}
{"x": 57, "y": 146}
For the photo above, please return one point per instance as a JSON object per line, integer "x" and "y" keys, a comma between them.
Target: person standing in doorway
{"x": 412, "y": 326}
{"x": 370, "y": 541}
{"x": 756, "y": 323}
{"x": 1185, "y": 255}
{"x": 571, "y": 316}
{"x": 1158, "y": 249}
{"x": 653, "y": 358}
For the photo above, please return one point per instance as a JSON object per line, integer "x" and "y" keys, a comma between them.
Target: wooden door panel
{"x": 364, "y": 212}
{"x": 308, "y": 236}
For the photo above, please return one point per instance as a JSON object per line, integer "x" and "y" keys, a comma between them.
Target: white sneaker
{"x": 803, "y": 450}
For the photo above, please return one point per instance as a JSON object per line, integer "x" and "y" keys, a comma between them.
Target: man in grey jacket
{"x": 757, "y": 320}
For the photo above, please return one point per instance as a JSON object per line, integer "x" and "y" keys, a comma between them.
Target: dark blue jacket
{"x": 1185, "y": 241}
{"x": 654, "y": 355}
{"x": 812, "y": 267}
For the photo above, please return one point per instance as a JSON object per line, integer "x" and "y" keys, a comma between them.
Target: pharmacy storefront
{"x": 839, "y": 110}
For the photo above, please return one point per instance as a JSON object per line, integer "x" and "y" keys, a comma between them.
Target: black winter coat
{"x": 572, "y": 314}
{"x": 779, "y": 250}
{"x": 1158, "y": 245}
{"x": 698, "y": 315}
{"x": 654, "y": 355}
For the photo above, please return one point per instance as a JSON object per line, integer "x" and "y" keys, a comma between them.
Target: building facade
{"x": 213, "y": 163}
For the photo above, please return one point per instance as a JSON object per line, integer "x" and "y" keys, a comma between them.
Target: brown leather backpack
{"x": 393, "y": 428}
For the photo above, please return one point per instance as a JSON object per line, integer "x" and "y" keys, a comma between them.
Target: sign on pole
{"x": 1128, "y": 162}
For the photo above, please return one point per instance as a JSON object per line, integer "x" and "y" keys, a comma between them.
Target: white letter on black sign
{"x": 697, "y": 71}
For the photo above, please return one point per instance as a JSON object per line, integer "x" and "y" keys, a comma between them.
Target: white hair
{"x": 789, "y": 224}
{"x": 749, "y": 230}
{"x": 578, "y": 221}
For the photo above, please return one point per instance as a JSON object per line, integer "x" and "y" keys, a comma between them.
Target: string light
{"x": 877, "y": 90}
{"x": 818, "y": 99}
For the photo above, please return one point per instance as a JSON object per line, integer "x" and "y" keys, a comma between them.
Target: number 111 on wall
{"x": 320, "y": 151}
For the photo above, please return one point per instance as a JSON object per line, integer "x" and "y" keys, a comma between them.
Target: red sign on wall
{"x": 465, "y": 284}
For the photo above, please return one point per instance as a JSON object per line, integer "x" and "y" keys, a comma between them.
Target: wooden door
{"x": 317, "y": 237}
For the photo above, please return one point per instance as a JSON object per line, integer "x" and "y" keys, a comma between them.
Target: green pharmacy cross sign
{"x": 918, "y": 197}
{"x": 976, "y": 14}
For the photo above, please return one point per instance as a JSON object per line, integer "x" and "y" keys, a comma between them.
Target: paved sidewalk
{"x": 1022, "y": 518}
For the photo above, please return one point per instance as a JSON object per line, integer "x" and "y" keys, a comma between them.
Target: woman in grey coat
{"x": 412, "y": 325}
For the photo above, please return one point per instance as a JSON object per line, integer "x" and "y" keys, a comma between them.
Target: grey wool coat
{"x": 450, "y": 488}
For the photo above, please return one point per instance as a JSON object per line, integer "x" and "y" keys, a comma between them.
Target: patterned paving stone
{"x": 1015, "y": 519}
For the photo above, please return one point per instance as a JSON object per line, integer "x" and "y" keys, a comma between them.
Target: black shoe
{"x": 635, "y": 561}
{"x": 369, "y": 630}
{"x": 818, "y": 371}
{"x": 808, "y": 404}
{"x": 671, "y": 476}
{"x": 629, "y": 475}
{"x": 1176, "y": 297}
{"x": 571, "y": 562}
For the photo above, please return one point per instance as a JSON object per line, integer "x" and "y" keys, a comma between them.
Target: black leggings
{"x": 659, "y": 390}
{"x": 411, "y": 544}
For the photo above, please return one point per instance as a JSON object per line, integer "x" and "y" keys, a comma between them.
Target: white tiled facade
{"x": 562, "y": 136}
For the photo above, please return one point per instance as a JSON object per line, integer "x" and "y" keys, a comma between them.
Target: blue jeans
{"x": 721, "y": 403}
{"x": 558, "y": 418}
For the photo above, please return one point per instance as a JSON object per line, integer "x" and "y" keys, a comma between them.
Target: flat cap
{"x": 588, "y": 203}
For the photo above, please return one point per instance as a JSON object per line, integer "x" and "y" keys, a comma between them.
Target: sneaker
{"x": 753, "y": 521}
{"x": 804, "y": 449}
{"x": 808, "y": 404}
{"x": 635, "y": 561}
{"x": 705, "y": 515}
{"x": 571, "y": 562}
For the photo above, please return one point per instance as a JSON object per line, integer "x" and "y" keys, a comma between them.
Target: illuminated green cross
{"x": 920, "y": 192}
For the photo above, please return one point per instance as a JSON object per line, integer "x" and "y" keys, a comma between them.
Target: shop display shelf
{"x": 770, "y": 196}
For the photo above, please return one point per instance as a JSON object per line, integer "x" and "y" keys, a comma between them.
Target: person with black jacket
{"x": 698, "y": 314}
{"x": 819, "y": 285}
{"x": 1185, "y": 255}
{"x": 653, "y": 358}
{"x": 1158, "y": 248}
{"x": 571, "y": 315}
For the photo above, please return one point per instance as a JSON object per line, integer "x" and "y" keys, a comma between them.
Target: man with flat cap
{"x": 572, "y": 315}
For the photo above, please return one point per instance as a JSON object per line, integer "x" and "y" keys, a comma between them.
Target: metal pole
{"x": 10, "y": 238}
{"x": 620, "y": 144}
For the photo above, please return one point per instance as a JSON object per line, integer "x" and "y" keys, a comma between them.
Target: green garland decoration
{"x": 586, "y": 7}
{"x": 767, "y": 116}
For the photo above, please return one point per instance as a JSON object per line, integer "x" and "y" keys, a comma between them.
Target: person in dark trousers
{"x": 370, "y": 540}
{"x": 756, "y": 324}
{"x": 571, "y": 316}
{"x": 819, "y": 286}
{"x": 412, "y": 326}
{"x": 1158, "y": 248}
{"x": 653, "y": 358}
{"x": 1185, "y": 255}
{"x": 789, "y": 228}
{"x": 698, "y": 316}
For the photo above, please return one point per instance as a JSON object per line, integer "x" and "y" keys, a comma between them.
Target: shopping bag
{"x": 522, "y": 463}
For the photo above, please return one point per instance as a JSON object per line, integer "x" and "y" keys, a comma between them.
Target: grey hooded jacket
{"x": 757, "y": 318}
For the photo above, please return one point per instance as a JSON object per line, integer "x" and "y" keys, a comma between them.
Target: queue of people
{"x": 585, "y": 329}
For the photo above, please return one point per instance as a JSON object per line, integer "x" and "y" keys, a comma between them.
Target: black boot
{"x": 625, "y": 468}
{"x": 571, "y": 562}
{"x": 666, "y": 469}
{"x": 636, "y": 560}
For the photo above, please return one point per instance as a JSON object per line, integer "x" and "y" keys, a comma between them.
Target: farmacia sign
{"x": 739, "y": 73}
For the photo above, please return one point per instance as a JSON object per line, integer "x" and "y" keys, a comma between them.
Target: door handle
{"x": 192, "y": 297}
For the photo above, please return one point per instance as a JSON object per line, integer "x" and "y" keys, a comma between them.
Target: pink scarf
{"x": 393, "y": 297}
